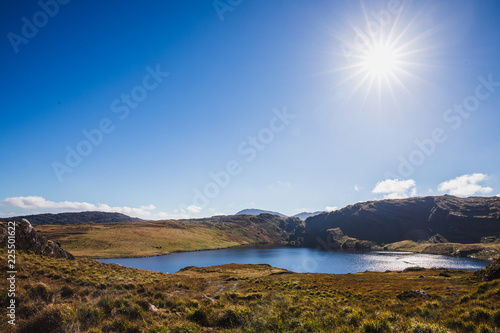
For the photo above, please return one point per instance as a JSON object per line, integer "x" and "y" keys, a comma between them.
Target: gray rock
{"x": 28, "y": 239}
{"x": 412, "y": 294}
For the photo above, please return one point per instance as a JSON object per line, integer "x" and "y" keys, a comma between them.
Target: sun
{"x": 379, "y": 67}
{"x": 380, "y": 61}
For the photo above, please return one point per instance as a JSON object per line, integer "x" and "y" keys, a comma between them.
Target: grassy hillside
{"x": 136, "y": 239}
{"x": 83, "y": 295}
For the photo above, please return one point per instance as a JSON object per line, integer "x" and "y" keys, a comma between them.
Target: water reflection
{"x": 301, "y": 260}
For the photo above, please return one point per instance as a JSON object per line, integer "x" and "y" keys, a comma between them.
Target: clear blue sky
{"x": 294, "y": 105}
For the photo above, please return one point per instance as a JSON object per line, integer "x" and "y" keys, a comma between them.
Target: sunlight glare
{"x": 380, "y": 61}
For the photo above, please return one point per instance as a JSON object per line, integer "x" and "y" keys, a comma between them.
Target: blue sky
{"x": 166, "y": 109}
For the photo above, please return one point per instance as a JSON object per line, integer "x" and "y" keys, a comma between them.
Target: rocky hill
{"x": 74, "y": 218}
{"x": 461, "y": 220}
{"x": 28, "y": 239}
{"x": 262, "y": 228}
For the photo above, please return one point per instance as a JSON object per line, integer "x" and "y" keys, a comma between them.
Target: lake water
{"x": 300, "y": 260}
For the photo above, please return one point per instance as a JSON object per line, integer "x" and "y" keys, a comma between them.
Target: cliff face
{"x": 28, "y": 239}
{"x": 463, "y": 220}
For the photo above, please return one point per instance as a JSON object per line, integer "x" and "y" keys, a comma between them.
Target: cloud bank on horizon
{"x": 42, "y": 205}
{"x": 465, "y": 185}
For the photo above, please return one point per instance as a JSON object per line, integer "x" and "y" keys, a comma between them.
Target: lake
{"x": 300, "y": 260}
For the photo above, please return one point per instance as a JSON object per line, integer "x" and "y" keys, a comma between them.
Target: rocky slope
{"x": 262, "y": 228}
{"x": 74, "y": 218}
{"x": 28, "y": 239}
{"x": 461, "y": 220}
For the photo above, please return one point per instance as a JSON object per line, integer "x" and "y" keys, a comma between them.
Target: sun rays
{"x": 384, "y": 58}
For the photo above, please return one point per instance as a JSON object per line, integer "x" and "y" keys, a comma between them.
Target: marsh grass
{"x": 88, "y": 296}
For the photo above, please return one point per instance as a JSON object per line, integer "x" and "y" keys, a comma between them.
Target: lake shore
{"x": 156, "y": 238}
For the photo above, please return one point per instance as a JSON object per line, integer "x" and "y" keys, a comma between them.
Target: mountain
{"x": 258, "y": 212}
{"x": 28, "y": 239}
{"x": 304, "y": 215}
{"x": 461, "y": 220}
{"x": 74, "y": 218}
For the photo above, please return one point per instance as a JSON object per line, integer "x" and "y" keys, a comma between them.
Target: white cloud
{"x": 38, "y": 205}
{"x": 396, "y": 189}
{"x": 331, "y": 208}
{"x": 465, "y": 185}
{"x": 35, "y": 202}
{"x": 356, "y": 188}
{"x": 194, "y": 209}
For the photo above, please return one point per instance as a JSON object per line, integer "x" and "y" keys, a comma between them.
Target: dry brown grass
{"x": 139, "y": 239}
{"x": 88, "y": 296}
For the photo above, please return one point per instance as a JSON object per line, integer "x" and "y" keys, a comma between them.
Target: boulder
{"x": 412, "y": 294}
{"x": 28, "y": 239}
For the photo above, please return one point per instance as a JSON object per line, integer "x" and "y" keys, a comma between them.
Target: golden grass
{"x": 88, "y": 296}
{"x": 134, "y": 239}
{"x": 138, "y": 239}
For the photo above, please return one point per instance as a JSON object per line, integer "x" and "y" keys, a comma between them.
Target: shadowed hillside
{"x": 74, "y": 218}
{"x": 460, "y": 220}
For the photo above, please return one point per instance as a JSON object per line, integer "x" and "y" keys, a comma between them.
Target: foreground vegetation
{"x": 83, "y": 295}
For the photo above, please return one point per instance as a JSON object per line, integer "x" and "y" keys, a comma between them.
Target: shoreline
{"x": 496, "y": 252}
{"x": 274, "y": 245}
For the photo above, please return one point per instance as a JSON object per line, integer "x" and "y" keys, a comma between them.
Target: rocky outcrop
{"x": 337, "y": 240}
{"x": 461, "y": 220}
{"x": 28, "y": 239}
{"x": 437, "y": 239}
{"x": 491, "y": 272}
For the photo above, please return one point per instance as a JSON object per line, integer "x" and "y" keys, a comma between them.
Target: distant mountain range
{"x": 439, "y": 219}
{"x": 74, "y": 218}
{"x": 303, "y": 216}
{"x": 253, "y": 211}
